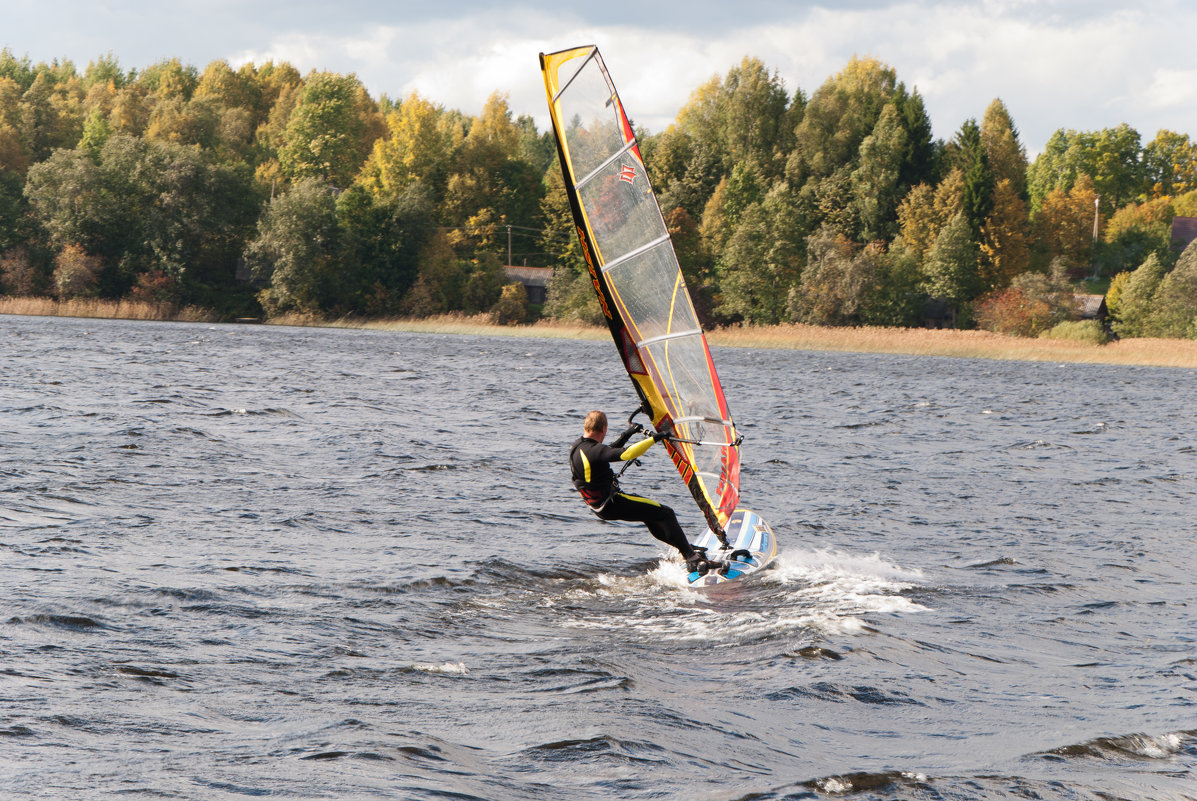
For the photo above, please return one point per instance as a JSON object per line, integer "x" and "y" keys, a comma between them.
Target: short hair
{"x": 595, "y": 421}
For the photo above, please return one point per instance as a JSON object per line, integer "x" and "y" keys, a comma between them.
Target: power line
{"x": 516, "y": 230}
{"x": 513, "y": 229}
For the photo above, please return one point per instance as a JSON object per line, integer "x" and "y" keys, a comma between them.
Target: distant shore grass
{"x": 105, "y": 309}
{"x": 962, "y": 344}
{"x": 909, "y": 341}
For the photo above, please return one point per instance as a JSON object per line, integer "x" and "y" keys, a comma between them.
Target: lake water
{"x": 321, "y": 564}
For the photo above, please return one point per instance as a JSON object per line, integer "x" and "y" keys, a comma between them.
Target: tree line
{"x": 259, "y": 190}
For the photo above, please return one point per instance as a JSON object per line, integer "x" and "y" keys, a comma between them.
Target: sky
{"x": 1054, "y": 63}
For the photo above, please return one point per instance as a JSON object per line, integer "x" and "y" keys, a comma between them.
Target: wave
{"x": 603, "y": 749}
{"x": 269, "y": 412}
{"x": 826, "y": 691}
{"x": 917, "y": 785}
{"x": 571, "y": 681}
{"x": 839, "y": 588}
{"x": 1035, "y": 445}
{"x": 80, "y": 623}
{"x": 875, "y": 569}
{"x": 1129, "y": 746}
{"x": 17, "y": 731}
{"x": 815, "y": 592}
{"x": 900, "y": 785}
{"x": 442, "y": 669}
{"x": 159, "y": 677}
{"x": 1001, "y": 561}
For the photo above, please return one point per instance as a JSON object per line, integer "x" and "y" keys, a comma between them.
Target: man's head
{"x": 595, "y": 425}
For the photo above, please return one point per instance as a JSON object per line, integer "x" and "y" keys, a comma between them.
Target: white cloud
{"x": 1056, "y": 64}
{"x": 1173, "y": 89}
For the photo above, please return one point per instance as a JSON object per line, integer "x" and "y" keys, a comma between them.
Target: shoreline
{"x": 951, "y": 343}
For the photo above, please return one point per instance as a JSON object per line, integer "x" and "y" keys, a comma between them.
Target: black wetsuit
{"x": 590, "y": 464}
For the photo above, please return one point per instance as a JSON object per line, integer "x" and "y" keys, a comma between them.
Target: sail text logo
{"x": 593, "y": 275}
{"x": 680, "y": 461}
{"x": 627, "y": 174}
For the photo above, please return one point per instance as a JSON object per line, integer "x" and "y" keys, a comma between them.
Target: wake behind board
{"x": 752, "y": 543}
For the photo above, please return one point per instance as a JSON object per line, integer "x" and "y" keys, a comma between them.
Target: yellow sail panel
{"x": 636, "y": 275}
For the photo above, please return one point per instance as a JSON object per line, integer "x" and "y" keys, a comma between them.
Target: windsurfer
{"x": 590, "y": 462}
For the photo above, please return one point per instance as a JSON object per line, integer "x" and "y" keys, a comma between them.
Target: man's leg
{"x": 660, "y": 519}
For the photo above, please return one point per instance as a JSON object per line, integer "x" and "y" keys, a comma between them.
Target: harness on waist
{"x": 595, "y": 501}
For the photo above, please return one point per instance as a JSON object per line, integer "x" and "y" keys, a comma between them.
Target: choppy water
{"x": 294, "y": 563}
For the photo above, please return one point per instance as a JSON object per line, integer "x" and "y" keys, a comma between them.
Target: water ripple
{"x": 294, "y": 563}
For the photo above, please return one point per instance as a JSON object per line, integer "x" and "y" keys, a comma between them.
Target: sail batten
{"x": 598, "y": 170}
{"x": 638, "y": 280}
{"x": 713, "y": 420}
{"x": 611, "y": 265}
{"x": 675, "y": 335}
{"x": 582, "y": 66}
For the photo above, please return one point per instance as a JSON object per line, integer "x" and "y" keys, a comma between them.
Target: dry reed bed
{"x": 961, "y": 344}
{"x": 104, "y": 309}
{"x": 480, "y": 325}
{"x": 911, "y": 341}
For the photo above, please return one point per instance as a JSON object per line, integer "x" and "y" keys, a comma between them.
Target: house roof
{"x": 530, "y": 276}
{"x": 1184, "y": 229}
{"x": 1090, "y": 305}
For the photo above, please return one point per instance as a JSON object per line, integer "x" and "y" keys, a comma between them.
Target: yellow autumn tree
{"x": 1005, "y": 238}
{"x": 715, "y": 229}
{"x": 1186, "y": 205}
{"x": 925, "y": 211}
{"x": 1152, "y": 217}
{"x": 490, "y": 179}
{"x": 13, "y": 155}
{"x": 1170, "y": 161}
{"x": 421, "y": 142}
{"x": 1007, "y": 157}
{"x": 76, "y": 273}
{"x": 1063, "y": 228}
{"x": 512, "y": 307}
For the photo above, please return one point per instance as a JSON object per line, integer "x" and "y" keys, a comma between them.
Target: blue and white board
{"x": 746, "y": 531}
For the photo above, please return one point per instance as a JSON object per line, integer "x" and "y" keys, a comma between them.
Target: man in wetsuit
{"x": 590, "y": 462}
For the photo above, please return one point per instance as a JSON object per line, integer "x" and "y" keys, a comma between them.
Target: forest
{"x": 259, "y": 192}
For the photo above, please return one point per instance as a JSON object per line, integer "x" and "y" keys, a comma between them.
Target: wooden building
{"x": 1184, "y": 231}
{"x": 534, "y": 279}
{"x": 1091, "y": 307}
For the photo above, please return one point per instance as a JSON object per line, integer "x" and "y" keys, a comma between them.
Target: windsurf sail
{"x": 638, "y": 280}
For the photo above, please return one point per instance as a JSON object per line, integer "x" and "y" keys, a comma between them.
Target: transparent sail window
{"x": 651, "y": 295}
{"x": 621, "y": 209}
{"x": 593, "y": 131}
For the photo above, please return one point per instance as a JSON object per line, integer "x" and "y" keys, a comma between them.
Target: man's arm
{"x": 622, "y": 439}
{"x": 637, "y": 450}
